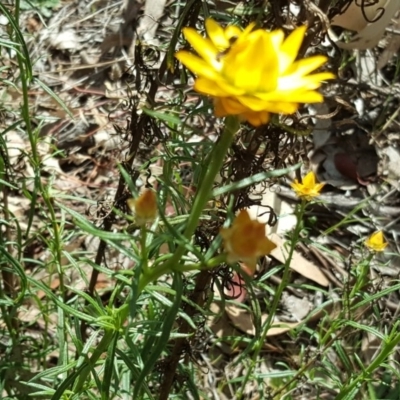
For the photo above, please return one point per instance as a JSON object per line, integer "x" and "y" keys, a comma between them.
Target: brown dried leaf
{"x": 357, "y": 15}
{"x": 153, "y": 11}
{"x": 369, "y": 34}
{"x": 243, "y": 321}
{"x": 298, "y": 262}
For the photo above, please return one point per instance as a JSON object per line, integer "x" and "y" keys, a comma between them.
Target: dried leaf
{"x": 242, "y": 320}
{"x": 358, "y": 14}
{"x": 392, "y": 47}
{"x": 369, "y": 35}
{"x": 298, "y": 262}
{"x": 153, "y": 11}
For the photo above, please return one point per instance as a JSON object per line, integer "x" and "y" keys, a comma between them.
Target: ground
{"x": 93, "y": 109}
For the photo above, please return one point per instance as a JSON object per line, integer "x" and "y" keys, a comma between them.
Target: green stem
{"x": 100, "y": 349}
{"x": 362, "y": 277}
{"x": 278, "y": 294}
{"x": 172, "y": 264}
{"x": 206, "y": 186}
{"x": 388, "y": 347}
{"x": 202, "y": 197}
{"x": 143, "y": 250}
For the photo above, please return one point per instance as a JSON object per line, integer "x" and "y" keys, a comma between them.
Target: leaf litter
{"x": 85, "y": 53}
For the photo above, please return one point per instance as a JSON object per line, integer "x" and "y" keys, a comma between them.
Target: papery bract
{"x": 245, "y": 240}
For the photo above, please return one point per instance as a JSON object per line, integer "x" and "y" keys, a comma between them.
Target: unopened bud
{"x": 144, "y": 207}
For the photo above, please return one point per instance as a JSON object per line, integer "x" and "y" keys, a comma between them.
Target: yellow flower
{"x": 253, "y": 73}
{"x": 308, "y": 188}
{"x": 245, "y": 240}
{"x": 376, "y": 241}
{"x": 144, "y": 207}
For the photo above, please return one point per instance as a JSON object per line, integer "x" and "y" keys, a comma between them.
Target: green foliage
{"x": 147, "y": 334}
{"x": 44, "y": 7}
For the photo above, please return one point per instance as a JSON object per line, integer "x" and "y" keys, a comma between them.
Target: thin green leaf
{"x": 165, "y": 333}
{"x": 108, "y": 368}
{"x": 54, "y": 97}
{"x": 166, "y": 117}
{"x": 252, "y": 180}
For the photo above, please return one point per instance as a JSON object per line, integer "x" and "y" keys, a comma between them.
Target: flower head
{"x": 308, "y": 188}
{"x": 376, "y": 242}
{"x": 253, "y": 73}
{"x": 245, "y": 240}
{"x": 144, "y": 207}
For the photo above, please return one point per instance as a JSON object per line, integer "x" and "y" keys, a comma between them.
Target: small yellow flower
{"x": 245, "y": 240}
{"x": 376, "y": 242}
{"x": 253, "y": 73}
{"x": 144, "y": 207}
{"x": 308, "y": 188}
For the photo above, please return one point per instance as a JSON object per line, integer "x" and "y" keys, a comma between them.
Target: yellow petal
{"x": 309, "y": 82}
{"x": 217, "y": 88}
{"x": 290, "y": 48}
{"x": 282, "y": 107}
{"x": 256, "y": 118}
{"x": 232, "y": 32}
{"x": 197, "y": 65}
{"x": 209, "y": 87}
{"x": 216, "y": 34}
{"x": 305, "y": 97}
{"x": 268, "y": 80}
{"x": 376, "y": 241}
{"x": 306, "y": 65}
{"x": 309, "y": 179}
{"x": 308, "y": 188}
{"x": 292, "y": 96}
{"x": 255, "y": 104}
{"x": 245, "y": 34}
{"x": 204, "y": 47}
{"x": 232, "y": 106}
{"x": 230, "y": 89}
{"x": 277, "y": 36}
{"x": 253, "y": 65}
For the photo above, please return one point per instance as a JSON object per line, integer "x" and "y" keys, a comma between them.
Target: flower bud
{"x": 144, "y": 207}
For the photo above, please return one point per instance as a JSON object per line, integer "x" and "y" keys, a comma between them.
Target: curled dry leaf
{"x": 298, "y": 262}
{"x": 153, "y": 11}
{"x": 224, "y": 328}
{"x": 357, "y": 16}
{"x": 243, "y": 320}
{"x": 343, "y": 161}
